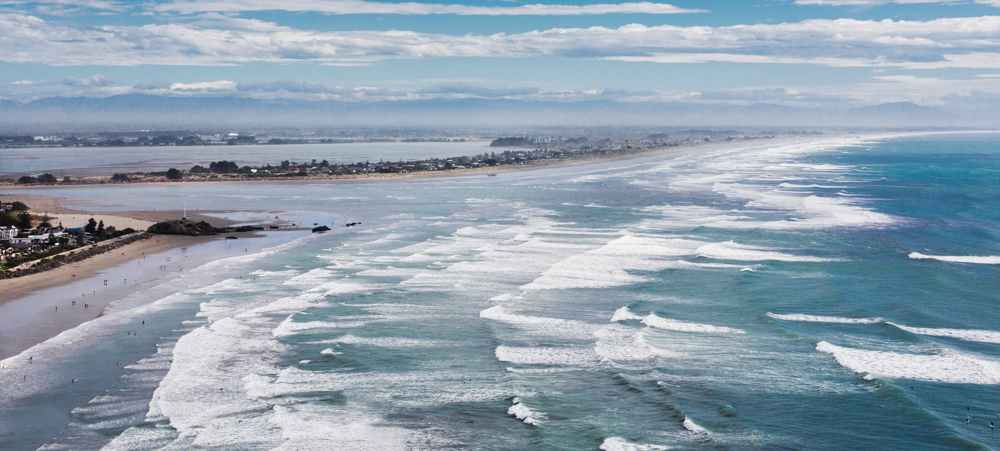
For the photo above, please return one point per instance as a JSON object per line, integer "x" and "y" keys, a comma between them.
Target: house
{"x": 8, "y": 233}
{"x": 46, "y": 231}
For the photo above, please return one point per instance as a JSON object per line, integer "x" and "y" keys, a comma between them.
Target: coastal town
{"x": 31, "y": 243}
{"x": 504, "y": 153}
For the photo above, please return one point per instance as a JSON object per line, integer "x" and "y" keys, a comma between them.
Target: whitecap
{"x": 950, "y": 367}
{"x": 731, "y": 250}
{"x": 683, "y": 326}
{"x": 522, "y": 412}
{"x": 824, "y": 319}
{"x": 983, "y": 336}
{"x": 694, "y": 427}
{"x": 624, "y": 314}
{"x": 545, "y": 356}
{"x": 620, "y": 444}
{"x": 986, "y": 260}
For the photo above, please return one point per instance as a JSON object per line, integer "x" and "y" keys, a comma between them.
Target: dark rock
{"x": 320, "y": 229}
{"x": 183, "y": 227}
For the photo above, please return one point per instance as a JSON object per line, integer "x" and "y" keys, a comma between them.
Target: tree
{"x": 24, "y": 220}
{"x": 197, "y": 169}
{"x": 47, "y": 178}
{"x": 18, "y": 206}
{"x": 223, "y": 167}
{"x": 45, "y": 222}
{"x": 6, "y": 220}
{"x": 119, "y": 178}
{"x": 26, "y": 179}
{"x": 100, "y": 227}
{"x": 173, "y": 174}
{"x": 66, "y": 179}
{"x": 91, "y": 226}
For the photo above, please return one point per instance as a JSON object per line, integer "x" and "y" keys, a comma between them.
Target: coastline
{"x": 59, "y": 209}
{"x": 16, "y": 288}
{"x": 377, "y": 177}
{"x": 22, "y": 288}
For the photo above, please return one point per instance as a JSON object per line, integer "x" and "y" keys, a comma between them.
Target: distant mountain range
{"x": 131, "y": 112}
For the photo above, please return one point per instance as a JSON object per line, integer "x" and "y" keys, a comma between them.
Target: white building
{"x": 8, "y": 233}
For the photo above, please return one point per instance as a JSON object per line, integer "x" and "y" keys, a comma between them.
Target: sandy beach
{"x": 16, "y": 288}
{"x": 378, "y": 178}
{"x": 73, "y": 213}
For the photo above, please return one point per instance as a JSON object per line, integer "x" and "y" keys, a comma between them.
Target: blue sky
{"x": 816, "y": 53}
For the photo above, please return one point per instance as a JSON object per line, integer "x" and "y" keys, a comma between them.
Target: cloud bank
{"x": 412, "y": 8}
{"x": 972, "y": 42}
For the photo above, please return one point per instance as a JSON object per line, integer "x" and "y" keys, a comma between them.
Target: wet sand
{"x": 19, "y": 287}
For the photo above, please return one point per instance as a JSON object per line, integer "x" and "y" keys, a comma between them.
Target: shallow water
{"x": 759, "y": 296}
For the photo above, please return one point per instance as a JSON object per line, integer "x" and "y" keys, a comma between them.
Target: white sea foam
{"x": 289, "y": 327}
{"x": 618, "y": 343}
{"x": 983, "y": 336}
{"x": 312, "y": 278}
{"x": 694, "y": 427}
{"x": 607, "y": 265}
{"x": 317, "y": 427}
{"x": 390, "y": 342}
{"x": 987, "y": 260}
{"x": 683, "y": 326}
{"x": 501, "y": 313}
{"x": 949, "y": 367}
{"x": 792, "y": 185}
{"x": 733, "y": 251}
{"x": 505, "y": 297}
{"x": 624, "y": 314}
{"x": 824, "y": 319}
{"x": 620, "y": 444}
{"x": 575, "y": 356}
{"x": 522, "y": 412}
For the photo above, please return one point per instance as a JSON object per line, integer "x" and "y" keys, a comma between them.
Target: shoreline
{"x": 380, "y": 177}
{"x": 59, "y": 208}
{"x": 19, "y": 287}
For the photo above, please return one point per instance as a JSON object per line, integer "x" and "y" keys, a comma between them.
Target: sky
{"x": 805, "y": 53}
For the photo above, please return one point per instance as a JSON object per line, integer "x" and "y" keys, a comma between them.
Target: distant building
{"x": 8, "y": 233}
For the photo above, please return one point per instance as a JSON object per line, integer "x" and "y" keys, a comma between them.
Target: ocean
{"x": 822, "y": 293}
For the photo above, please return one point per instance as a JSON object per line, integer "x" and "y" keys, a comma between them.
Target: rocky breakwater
{"x": 191, "y": 228}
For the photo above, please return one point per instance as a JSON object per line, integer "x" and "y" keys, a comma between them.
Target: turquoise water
{"x": 830, "y": 293}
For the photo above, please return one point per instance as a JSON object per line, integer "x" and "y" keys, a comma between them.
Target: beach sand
{"x": 19, "y": 287}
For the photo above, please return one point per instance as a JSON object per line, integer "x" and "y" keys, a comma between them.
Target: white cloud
{"x": 32, "y": 83}
{"x": 412, "y": 8}
{"x": 972, "y": 42}
{"x": 95, "y": 81}
{"x": 209, "y": 86}
{"x": 57, "y": 6}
